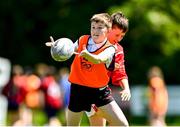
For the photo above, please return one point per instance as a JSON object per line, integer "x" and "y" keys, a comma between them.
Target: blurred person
{"x": 88, "y": 75}
{"x": 5, "y": 71}
{"x": 52, "y": 93}
{"x": 15, "y": 92}
{"x": 118, "y": 73}
{"x": 158, "y": 97}
{"x": 32, "y": 97}
{"x": 65, "y": 85}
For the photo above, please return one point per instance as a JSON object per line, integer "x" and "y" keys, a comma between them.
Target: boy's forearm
{"x": 124, "y": 83}
{"x": 125, "y": 93}
{"x": 96, "y": 59}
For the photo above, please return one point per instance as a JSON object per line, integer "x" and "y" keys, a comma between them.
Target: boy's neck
{"x": 101, "y": 42}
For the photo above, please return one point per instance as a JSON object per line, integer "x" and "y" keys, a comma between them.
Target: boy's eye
{"x": 117, "y": 35}
{"x": 100, "y": 27}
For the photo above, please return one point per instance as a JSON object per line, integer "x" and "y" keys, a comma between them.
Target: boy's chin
{"x": 96, "y": 40}
{"x": 113, "y": 41}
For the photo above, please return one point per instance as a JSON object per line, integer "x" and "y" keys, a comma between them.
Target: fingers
{"x": 51, "y": 38}
{"x": 125, "y": 96}
{"x": 84, "y": 52}
{"x": 76, "y": 53}
{"x": 49, "y": 44}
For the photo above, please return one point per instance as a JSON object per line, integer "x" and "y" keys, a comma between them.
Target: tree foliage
{"x": 152, "y": 39}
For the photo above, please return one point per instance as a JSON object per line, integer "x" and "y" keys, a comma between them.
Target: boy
{"x": 89, "y": 76}
{"x": 118, "y": 75}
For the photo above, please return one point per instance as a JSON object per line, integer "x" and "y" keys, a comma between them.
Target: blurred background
{"x": 153, "y": 39}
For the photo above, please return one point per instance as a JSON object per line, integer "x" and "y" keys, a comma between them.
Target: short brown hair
{"x": 104, "y": 18}
{"x": 155, "y": 71}
{"x": 120, "y": 20}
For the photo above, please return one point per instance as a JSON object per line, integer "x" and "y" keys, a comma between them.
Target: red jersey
{"x": 119, "y": 72}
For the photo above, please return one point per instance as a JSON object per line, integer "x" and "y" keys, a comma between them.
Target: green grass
{"x": 40, "y": 119}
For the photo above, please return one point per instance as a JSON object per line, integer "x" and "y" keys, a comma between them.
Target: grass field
{"x": 40, "y": 119}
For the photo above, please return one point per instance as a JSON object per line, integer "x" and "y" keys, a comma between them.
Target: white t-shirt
{"x": 92, "y": 46}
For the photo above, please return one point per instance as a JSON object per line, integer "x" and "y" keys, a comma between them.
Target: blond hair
{"x": 103, "y": 18}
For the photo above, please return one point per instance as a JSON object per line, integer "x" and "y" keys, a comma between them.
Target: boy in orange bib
{"x": 89, "y": 75}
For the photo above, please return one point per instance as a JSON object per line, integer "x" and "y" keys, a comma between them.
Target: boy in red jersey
{"x": 118, "y": 74}
{"x": 89, "y": 76}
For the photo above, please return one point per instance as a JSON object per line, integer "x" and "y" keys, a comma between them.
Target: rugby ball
{"x": 62, "y": 49}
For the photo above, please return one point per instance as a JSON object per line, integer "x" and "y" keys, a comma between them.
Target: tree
{"x": 153, "y": 37}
